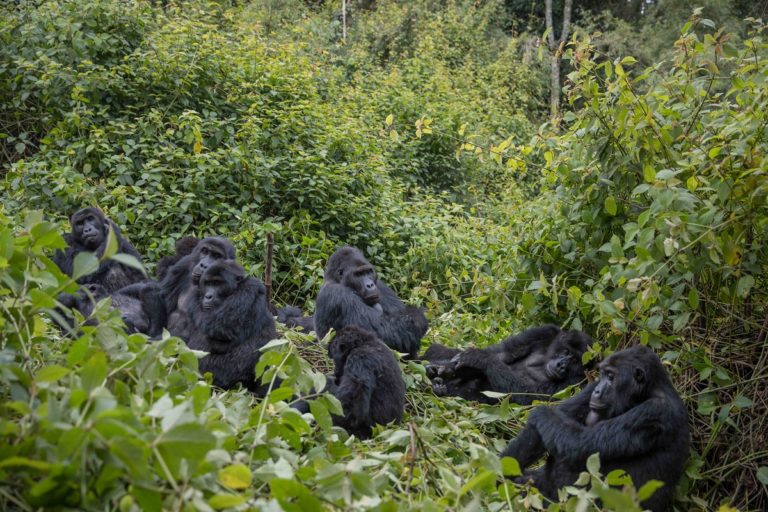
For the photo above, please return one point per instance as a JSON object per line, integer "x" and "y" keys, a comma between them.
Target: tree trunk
{"x": 556, "y": 52}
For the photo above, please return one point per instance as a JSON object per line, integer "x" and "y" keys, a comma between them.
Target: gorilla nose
{"x": 208, "y": 297}
{"x": 370, "y": 285}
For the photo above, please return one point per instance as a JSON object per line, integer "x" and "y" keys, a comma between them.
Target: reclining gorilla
{"x": 141, "y": 306}
{"x": 353, "y": 295}
{"x": 367, "y": 381}
{"x": 632, "y": 417}
{"x": 534, "y": 364}
{"x": 230, "y": 320}
{"x": 180, "y": 285}
{"x": 89, "y": 234}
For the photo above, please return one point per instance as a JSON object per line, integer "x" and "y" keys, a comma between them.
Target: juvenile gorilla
{"x": 367, "y": 381}
{"x": 89, "y": 234}
{"x": 184, "y": 247}
{"x": 141, "y": 306}
{"x": 534, "y": 364}
{"x": 180, "y": 285}
{"x": 231, "y": 321}
{"x": 353, "y": 295}
{"x": 632, "y": 417}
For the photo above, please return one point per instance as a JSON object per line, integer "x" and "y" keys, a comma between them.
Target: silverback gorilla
{"x": 366, "y": 380}
{"x": 231, "y": 321}
{"x": 534, "y": 364}
{"x": 632, "y": 417}
{"x": 353, "y": 295}
{"x": 89, "y": 234}
{"x": 180, "y": 284}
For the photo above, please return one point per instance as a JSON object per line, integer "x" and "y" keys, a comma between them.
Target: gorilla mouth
{"x": 372, "y": 300}
{"x": 553, "y": 373}
{"x": 597, "y": 406}
{"x": 207, "y": 307}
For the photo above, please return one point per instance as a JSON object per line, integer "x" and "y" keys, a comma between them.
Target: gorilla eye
{"x": 341, "y": 271}
{"x": 608, "y": 374}
{"x": 204, "y": 251}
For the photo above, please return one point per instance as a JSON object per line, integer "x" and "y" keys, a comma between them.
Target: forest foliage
{"x": 641, "y": 217}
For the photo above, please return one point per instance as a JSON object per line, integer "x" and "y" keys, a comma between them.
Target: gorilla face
{"x": 89, "y": 227}
{"x": 621, "y": 384}
{"x": 209, "y": 251}
{"x": 560, "y": 359}
{"x": 349, "y": 267}
{"x": 218, "y": 282}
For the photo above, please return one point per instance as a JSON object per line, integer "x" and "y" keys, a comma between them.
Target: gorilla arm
{"x": 645, "y": 428}
{"x": 338, "y": 305}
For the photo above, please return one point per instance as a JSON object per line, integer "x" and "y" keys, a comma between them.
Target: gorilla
{"x": 180, "y": 284}
{"x": 184, "y": 246}
{"x": 141, "y": 306}
{"x": 292, "y": 316}
{"x": 89, "y": 234}
{"x": 231, "y": 322}
{"x": 534, "y": 364}
{"x": 366, "y": 380}
{"x": 632, "y": 417}
{"x": 352, "y": 294}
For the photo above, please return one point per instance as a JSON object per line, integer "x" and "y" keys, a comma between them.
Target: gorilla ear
{"x": 639, "y": 375}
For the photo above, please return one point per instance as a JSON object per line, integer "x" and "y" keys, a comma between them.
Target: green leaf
{"x": 294, "y": 496}
{"x": 236, "y": 476}
{"x": 111, "y": 246}
{"x": 85, "y": 263}
{"x": 762, "y": 475}
{"x": 481, "y": 480}
{"x": 647, "y": 490}
{"x": 649, "y": 173}
{"x": 610, "y": 205}
{"x": 94, "y": 371}
{"x": 693, "y": 298}
{"x": 189, "y": 441}
{"x": 129, "y": 261}
{"x": 510, "y": 467}
{"x": 321, "y": 414}
{"x": 744, "y": 284}
{"x": 593, "y": 464}
{"x": 51, "y": 373}
{"x": 222, "y": 501}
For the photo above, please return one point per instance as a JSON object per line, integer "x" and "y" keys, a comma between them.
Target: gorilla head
{"x": 348, "y": 266}
{"x": 89, "y": 227}
{"x": 207, "y": 252}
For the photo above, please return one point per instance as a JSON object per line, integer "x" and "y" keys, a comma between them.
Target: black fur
{"x": 534, "y": 364}
{"x": 342, "y": 301}
{"x": 632, "y": 417}
{"x": 292, "y": 316}
{"x": 141, "y": 306}
{"x": 367, "y": 381}
{"x": 180, "y": 283}
{"x": 89, "y": 234}
{"x": 184, "y": 247}
{"x": 231, "y": 321}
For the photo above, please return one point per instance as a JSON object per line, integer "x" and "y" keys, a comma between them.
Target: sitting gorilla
{"x": 292, "y": 316}
{"x": 184, "y": 247}
{"x": 89, "y": 234}
{"x": 366, "y": 380}
{"x": 632, "y": 417}
{"x": 180, "y": 285}
{"x": 231, "y": 321}
{"x": 353, "y": 295}
{"x": 534, "y": 364}
{"x": 141, "y": 306}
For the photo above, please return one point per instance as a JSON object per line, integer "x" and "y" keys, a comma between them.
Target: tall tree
{"x": 556, "y": 52}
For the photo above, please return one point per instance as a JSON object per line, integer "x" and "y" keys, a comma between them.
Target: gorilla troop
{"x": 353, "y": 295}
{"x": 89, "y": 230}
{"x": 366, "y": 380}
{"x": 230, "y": 320}
{"x": 632, "y": 417}
{"x": 534, "y": 364}
{"x": 180, "y": 285}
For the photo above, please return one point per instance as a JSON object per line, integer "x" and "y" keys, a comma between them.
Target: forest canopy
{"x": 420, "y": 132}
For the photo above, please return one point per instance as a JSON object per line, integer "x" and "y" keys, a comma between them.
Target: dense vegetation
{"x": 640, "y": 217}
